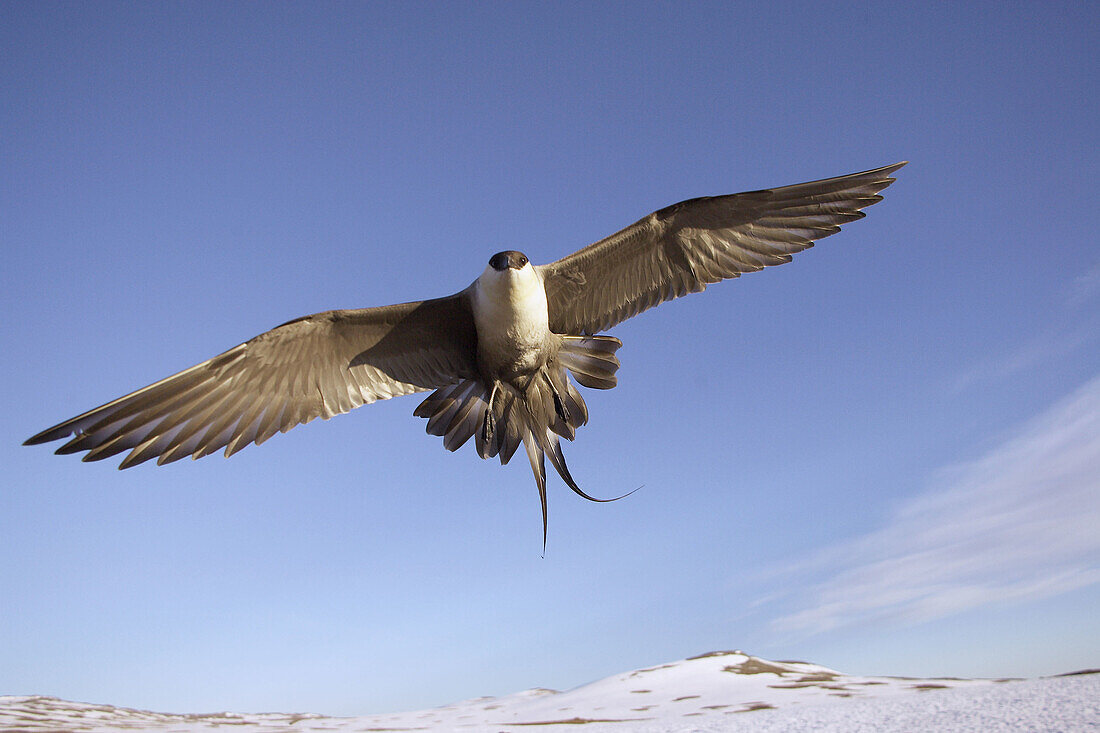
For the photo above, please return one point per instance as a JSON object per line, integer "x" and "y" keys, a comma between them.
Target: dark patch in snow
{"x": 1078, "y": 672}
{"x": 752, "y": 665}
{"x": 738, "y": 652}
{"x": 651, "y": 669}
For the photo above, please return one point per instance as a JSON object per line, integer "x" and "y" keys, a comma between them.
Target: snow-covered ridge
{"x": 714, "y": 691}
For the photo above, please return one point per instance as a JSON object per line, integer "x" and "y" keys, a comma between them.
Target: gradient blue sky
{"x": 883, "y": 457}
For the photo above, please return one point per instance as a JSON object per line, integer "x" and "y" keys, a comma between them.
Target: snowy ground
{"x": 721, "y": 691}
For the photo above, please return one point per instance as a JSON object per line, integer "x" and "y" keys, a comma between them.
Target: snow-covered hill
{"x": 712, "y": 692}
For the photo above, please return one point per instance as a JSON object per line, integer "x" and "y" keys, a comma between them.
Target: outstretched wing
{"x": 685, "y": 247}
{"x": 317, "y": 366}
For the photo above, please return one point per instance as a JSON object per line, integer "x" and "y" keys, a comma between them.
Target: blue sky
{"x": 883, "y": 457}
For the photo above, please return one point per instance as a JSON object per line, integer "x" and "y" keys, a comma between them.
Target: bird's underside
{"x": 495, "y": 355}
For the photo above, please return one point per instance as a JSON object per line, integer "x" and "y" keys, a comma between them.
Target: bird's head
{"x": 509, "y": 260}
{"x": 510, "y": 272}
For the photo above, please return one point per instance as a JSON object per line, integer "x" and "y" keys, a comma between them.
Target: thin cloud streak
{"x": 1085, "y": 286}
{"x": 1072, "y": 328}
{"x": 1017, "y": 524}
{"x": 1043, "y": 348}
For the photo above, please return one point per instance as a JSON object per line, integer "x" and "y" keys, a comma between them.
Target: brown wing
{"x": 684, "y": 247}
{"x": 317, "y": 366}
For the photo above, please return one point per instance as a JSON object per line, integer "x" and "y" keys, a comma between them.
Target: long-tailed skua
{"x": 496, "y": 354}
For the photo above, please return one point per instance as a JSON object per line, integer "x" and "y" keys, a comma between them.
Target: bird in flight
{"x": 495, "y": 355}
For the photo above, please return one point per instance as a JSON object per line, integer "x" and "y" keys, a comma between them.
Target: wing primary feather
{"x": 272, "y": 418}
{"x": 247, "y": 428}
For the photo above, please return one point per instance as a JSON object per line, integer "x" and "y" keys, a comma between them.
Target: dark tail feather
{"x": 557, "y": 460}
{"x": 457, "y": 412}
{"x": 538, "y": 467}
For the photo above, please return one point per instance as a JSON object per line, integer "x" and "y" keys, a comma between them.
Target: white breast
{"x": 511, "y": 317}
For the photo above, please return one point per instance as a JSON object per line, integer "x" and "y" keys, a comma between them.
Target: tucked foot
{"x": 559, "y": 403}
{"x": 488, "y": 427}
{"x": 559, "y": 406}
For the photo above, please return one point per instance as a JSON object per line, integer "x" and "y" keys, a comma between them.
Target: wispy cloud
{"x": 1085, "y": 286}
{"x": 1072, "y": 325}
{"x": 1057, "y": 344}
{"x": 1019, "y": 523}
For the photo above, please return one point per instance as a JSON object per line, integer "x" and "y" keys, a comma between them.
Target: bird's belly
{"x": 512, "y": 345}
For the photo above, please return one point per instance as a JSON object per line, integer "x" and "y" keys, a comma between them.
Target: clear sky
{"x": 882, "y": 457}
